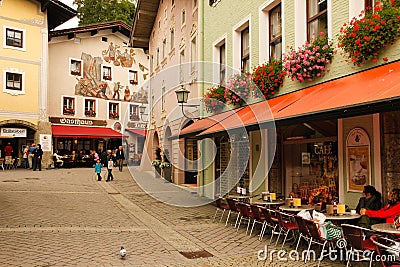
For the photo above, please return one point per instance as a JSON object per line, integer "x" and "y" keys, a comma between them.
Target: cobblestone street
{"x": 66, "y": 218}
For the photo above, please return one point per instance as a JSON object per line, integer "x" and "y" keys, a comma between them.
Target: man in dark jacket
{"x": 371, "y": 200}
{"x": 120, "y": 155}
{"x": 37, "y": 158}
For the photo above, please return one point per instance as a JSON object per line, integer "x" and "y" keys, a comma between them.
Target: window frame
{"x": 222, "y": 63}
{"x": 317, "y": 16}
{"x": 273, "y": 42}
{"x": 135, "y": 75}
{"x": 245, "y": 57}
{"x": 110, "y": 68}
{"x": 117, "y": 110}
{"x": 80, "y": 73}
{"x": 23, "y": 38}
{"x": 11, "y": 91}
{"x": 64, "y": 106}
{"x": 131, "y": 114}
{"x": 94, "y": 101}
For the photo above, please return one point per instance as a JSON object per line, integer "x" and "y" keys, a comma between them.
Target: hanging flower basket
{"x": 239, "y": 89}
{"x": 269, "y": 77}
{"x": 214, "y": 99}
{"x": 310, "y": 60}
{"x": 364, "y": 38}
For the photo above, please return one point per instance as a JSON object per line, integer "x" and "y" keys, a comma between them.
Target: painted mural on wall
{"x": 96, "y": 81}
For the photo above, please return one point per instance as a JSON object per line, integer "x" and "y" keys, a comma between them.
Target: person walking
{"x": 37, "y": 158}
{"x": 120, "y": 155}
{"x": 97, "y": 169}
{"x": 110, "y": 166}
{"x": 25, "y": 157}
{"x": 8, "y": 150}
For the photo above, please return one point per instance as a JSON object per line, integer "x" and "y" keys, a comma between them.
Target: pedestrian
{"x": 37, "y": 158}
{"x": 120, "y": 155}
{"x": 110, "y": 165}
{"x": 97, "y": 169}
{"x": 25, "y": 157}
{"x": 8, "y": 150}
{"x": 58, "y": 162}
{"x": 103, "y": 157}
{"x": 31, "y": 149}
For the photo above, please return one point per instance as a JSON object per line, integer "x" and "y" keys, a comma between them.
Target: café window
{"x": 90, "y": 108}
{"x": 13, "y": 81}
{"x": 68, "y": 106}
{"x": 113, "y": 110}
{"x": 75, "y": 67}
{"x": 317, "y": 17}
{"x": 245, "y": 50}
{"x": 133, "y": 77}
{"x": 133, "y": 112}
{"x": 106, "y": 73}
{"x": 275, "y": 33}
{"x": 14, "y": 38}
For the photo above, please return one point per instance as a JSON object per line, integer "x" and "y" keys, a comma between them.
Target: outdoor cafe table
{"x": 296, "y": 209}
{"x": 241, "y": 198}
{"x": 341, "y": 218}
{"x": 385, "y": 228}
{"x": 269, "y": 203}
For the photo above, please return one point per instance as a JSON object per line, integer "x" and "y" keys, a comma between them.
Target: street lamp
{"x": 142, "y": 110}
{"x": 182, "y": 96}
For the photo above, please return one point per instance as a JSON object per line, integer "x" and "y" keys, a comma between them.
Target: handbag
{"x": 333, "y": 232}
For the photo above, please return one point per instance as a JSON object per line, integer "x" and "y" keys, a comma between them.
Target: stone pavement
{"x": 66, "y": 218}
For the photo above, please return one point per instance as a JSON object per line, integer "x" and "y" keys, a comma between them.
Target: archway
{"x": 167, "y": 153}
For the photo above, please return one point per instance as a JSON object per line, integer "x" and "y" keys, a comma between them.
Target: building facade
{"x": 24, "y": 65}
{"x": 169, "y": 31}
{"x": 95, "y": 90}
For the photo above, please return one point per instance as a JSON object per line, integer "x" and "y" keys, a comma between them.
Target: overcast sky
{"x": 72, "y": 22}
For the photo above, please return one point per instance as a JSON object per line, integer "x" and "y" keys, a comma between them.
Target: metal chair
{"x": 220, "y": 207}
{"x": 303, "y": 230}
{"x": 245, "y": 214}
{"x": 286, "y": 225}
{"x": 355, "y": 236}
{"x": 232, "y": 208}
{"x": 258, "y": 216}
{"x": 386, "y": 251}
{"x": 270, "y": 222}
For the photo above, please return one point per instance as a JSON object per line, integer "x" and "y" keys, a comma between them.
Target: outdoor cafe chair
{"x": 232, "y": 208}
{"x": 271, "y": 222}
{"x": 355, "y": 236}
{"x": 245, "y": 214}
{"x": 258, "y": 216}
{"x": 387, "y": 251}
{"x": 303, "y": 230}
{"x": 316, "y": 238}
{"x": 286, "y": 225}
{"x": 220, "y": 207}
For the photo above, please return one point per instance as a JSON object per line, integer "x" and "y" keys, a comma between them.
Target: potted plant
{"x": 310, "y": 60}
{"x": 269, "y": 77}
{"x": 133, "y": 117}
{"x": 114, "y": 115}
{"x": 214, "y": 99}
{"x": 90, "y": 113}
{"x": 364, "y": 38}
{"x": 239, "y": 89}
{"x": 69, "y": 111}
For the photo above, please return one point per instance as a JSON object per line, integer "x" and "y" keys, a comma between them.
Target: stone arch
{"x": 20, "y": 122}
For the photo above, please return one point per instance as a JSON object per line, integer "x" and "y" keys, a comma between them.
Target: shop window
{"x": 90, "y": 108}
{"x": 317, "y": 17}
{"x": 113, "y": 111}
{"x": 134, "y": 112}
{"x": 69, "y": 106}
{"x": 133, "y": 77}
{"x": 13, "y": 81}
{"x": 106, "y": 73}
{"x": 75, "y": 67}
{"x": 245, "y": 50}
{"x": 275, "y": 33}
{"x": 14, "y": 38}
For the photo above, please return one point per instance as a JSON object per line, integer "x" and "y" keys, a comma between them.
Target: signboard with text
{"x": 13, "y": 132}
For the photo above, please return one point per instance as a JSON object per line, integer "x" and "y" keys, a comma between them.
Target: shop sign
{"x": 358, "y": 160}
{"x": 13, "y": 132}
{"x": 80, "y": 122}
{"x": 137, "y": 125}
{"x": 323, "y": 150}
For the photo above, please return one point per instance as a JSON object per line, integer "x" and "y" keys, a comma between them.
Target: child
{"x": 110, "y": 165}
{"x": 97, "y": 169}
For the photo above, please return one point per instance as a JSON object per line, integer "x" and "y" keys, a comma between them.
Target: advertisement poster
{"x": 45, "y": 141}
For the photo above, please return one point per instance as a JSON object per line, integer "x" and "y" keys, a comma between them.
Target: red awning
{"x": 84, "y": 132}
{"x": 364, "y": 89}
{"x": 138, "y": 131}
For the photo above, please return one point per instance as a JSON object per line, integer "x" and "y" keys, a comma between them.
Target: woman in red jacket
{"x": 388, "y": 212}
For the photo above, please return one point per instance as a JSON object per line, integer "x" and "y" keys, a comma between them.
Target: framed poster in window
{"x": 358, "y": 160}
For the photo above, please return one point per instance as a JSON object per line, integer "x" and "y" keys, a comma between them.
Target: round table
{"x": 241, "y": 198}
{"x": 296, "y": 209}
{"x": 269, "y": 203}
{"x": 342, "y": 217}
{"x": 385, "y": 228}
